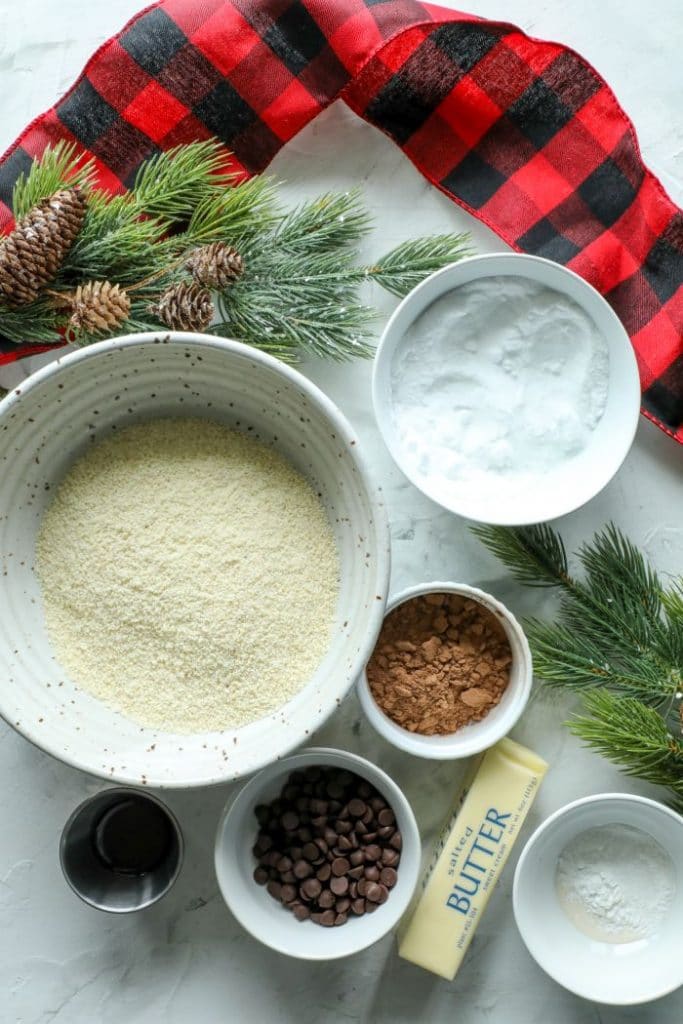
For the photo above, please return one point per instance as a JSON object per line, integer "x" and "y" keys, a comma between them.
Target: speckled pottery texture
{"x": 62, "y": 409}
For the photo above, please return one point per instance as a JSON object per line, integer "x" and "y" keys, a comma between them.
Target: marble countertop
{"x": 186, "y": 959}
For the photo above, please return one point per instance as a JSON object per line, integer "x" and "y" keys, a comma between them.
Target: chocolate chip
{"x": 388, "y": 877}
{"x": 340, "y": 866}
{"x": 320, "y": 823}
{"x": 344, "y": 843}
{"x": 263, "y": 844}
{"x": 339, "y": 886}
{"x": 373, "y": 852}
{"x": 323, "y": 872}
{"x": 288, "y": 877}
{"x": 312, "y": 888}
{"x": 316, "y": 917}
{"x": 284, "y": 864}
{"x": 342, "y": 827}
{"x": 357, "y": 857}
{"x": 396, "y": 841}
{"x": 302, "y": 869}
{"x": 300, "y": 911}
{"x": 260, "y": 876}
{"x": 362, "y": 887}
{"x": 328, "y": 918}
{"x": 370, "y": 907}
{"x": 390, "y": 857}
{"x": 342, "y": 904}
{"x": 353, "y": 890}
{"x": 365, "y": 790}
{"x": 367, "y": 816}
{"x": 358, "y": 907}
{"x": 356, "y": 872}
{"x": 326, "y": 899}
{"x": 369, "y": 837}
{"x": 341, "y": 919}
{"x": 385, "y": 832}
{"x": 274, "y": 888}
{"x": 378, "y": 804}
{"x": 373, "y": 892}
{"x": 321, "y": 844}
{"x": 371, "y": 872}
{"x": 310, "y": 851}
{"x": 356, "y": 807}
{"x": 330, "y": 836}
{"x": 335, "y": 790}
{"x": 304, "y": 835}
{"x": 288, "y": 893}
{"x": 386, "y": 816}
{"x": 360, "y": 829}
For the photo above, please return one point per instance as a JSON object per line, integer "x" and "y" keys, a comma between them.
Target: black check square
{"x": 464, "y": 44}
{"x": 224, "y": 112}
{"x": 86, "y": 114}
{"x": 664, "y": 399}
{"x": 16, "y": 164}
{"x": 473, "y": 180}
{"x": 573, "y": 79}
{"x": 152, "y": 40}
{"x": 607, "y": 192}
{"x": 399, "y": 109}
{"x": 663, "y": 269}
{"x": 543, "y": 239}
{"x": 295, "y": 38}
{"x": 539, "y": 113}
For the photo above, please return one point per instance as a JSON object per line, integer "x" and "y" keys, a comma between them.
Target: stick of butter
{"x": 470, "y": 854}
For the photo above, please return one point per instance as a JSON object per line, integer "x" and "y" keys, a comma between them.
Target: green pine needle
{"x": 409, "y": 263}
{"x": 171, "y": 184}
{"x": 59, "y": 166}
{"x": 618, "y": 640}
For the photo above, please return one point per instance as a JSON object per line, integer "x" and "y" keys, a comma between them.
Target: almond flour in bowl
{"x": 189, "y": 576}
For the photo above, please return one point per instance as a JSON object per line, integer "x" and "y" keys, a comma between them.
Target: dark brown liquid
{"x": 133, "y": 837}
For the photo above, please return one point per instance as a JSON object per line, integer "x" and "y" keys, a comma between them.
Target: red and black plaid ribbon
{"x": 523, "y": 134}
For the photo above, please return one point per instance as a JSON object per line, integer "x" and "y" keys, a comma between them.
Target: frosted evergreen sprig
{"x": 617, "y": 639}
{"x": 301, "y": 286}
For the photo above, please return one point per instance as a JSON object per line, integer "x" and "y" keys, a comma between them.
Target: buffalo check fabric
{"x": 523, "y": 134}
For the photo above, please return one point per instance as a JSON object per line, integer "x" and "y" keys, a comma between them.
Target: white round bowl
{"x": 266, "y": 919}
{"x": 572, "y": 482}
{"x": 52, "y": 418}
{"x": 477, "y": 736}
{"x": 620, "y": 975}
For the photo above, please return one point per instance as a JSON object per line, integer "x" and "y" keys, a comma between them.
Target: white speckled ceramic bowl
{"x": 570, "y": 483}
{"x": 51, "y": 419}
{"x": 266, "y": 919}
{"x": 620, "y": 974}
{"x": 477, "y": 736}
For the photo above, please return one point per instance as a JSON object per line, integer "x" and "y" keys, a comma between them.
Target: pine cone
{"x": 31, "y": 255}
{"x": 186, "y": 306}
{"x": 97, "y": 307}
{"x": 216, "y": 266}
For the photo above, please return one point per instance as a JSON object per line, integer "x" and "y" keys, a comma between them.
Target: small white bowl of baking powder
{"x": 598, "y": 898}
{"x": 506, "y": 389}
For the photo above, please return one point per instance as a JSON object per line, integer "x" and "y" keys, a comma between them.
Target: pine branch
{"x": 171, "y": 184}
{"x": 535, "y": 555}
{"x": 619, "y": 636}
{"x": 409, "y": 263}
{"x": 299, "y": 278}
{"x": 331, "y": 221}
{"x": 634, "y": 737}
{"x": 59, "y": 166}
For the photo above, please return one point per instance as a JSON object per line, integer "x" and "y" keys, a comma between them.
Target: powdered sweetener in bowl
{"x": 506, "y": 389}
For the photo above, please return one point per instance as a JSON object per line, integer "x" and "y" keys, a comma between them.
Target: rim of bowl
{"x": 457, "y": 746}
{"x": 622, "y": 442}
{"x": 318, "y": 397}
{"x": 248, "y": 795}
{"x": 652, "y": 807}
{"x": 124, "y": 791}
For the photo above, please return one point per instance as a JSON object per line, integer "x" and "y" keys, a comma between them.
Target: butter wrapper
{"x": 470, "y": 855}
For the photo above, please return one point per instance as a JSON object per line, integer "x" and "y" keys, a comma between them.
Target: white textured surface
{"x": 186, "y": 959}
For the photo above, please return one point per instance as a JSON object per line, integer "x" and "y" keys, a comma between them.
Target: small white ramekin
{"x": 266, "y": 919}
{"x": 470, "y": 739}
{"x": 618, "y": 975}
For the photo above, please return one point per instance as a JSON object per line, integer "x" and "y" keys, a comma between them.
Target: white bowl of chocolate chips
{"x": 318, "y": 855}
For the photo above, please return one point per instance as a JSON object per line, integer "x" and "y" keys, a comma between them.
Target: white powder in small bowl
{"x": 189, "y": 576}
{"x": 495, "y": 384}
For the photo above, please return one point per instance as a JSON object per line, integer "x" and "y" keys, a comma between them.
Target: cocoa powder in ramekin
{"x": 441, "y": 661}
